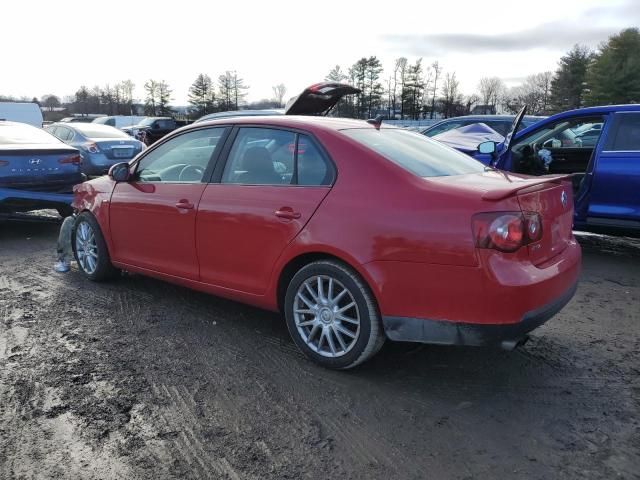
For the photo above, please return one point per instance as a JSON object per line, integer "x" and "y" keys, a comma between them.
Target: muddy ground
{"x": 141, "y": 379}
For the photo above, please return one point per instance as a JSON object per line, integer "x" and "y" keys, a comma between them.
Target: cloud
{"x": 586, "y": 29}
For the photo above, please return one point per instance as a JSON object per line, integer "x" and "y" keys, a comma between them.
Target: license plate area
{"x": 122, "y": 152}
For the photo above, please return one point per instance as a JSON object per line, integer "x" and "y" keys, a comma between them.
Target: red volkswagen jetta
{"x": 357, "y": 232}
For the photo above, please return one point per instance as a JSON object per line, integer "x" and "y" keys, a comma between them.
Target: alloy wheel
{"x": 326, "y": 315}
{"x": 86, "y": 248}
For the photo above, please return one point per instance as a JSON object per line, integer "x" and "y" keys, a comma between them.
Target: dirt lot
{"x": 141, "y": 379}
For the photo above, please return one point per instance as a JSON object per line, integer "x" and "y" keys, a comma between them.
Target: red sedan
{"x": 357, "y": 232}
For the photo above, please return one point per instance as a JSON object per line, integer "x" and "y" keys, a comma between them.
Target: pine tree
{"x": 569, "y": 80}
{"x": 202, "y": 95}
{"x": 614, "y": 75}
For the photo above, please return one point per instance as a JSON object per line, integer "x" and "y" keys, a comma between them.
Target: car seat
{"x": 257, "y": 167}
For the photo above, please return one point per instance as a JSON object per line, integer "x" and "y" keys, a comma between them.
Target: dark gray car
{"x": 100, "y": 145}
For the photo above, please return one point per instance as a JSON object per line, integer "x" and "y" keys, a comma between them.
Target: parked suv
{"x": 154, "y": 128}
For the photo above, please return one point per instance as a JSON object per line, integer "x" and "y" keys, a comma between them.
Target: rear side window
{"x": 415, "y": 153}
{"x": 625, "y": 133}
{"x": 313, "y": 166}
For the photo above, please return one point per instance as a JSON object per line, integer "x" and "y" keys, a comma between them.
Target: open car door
{"x": 514, "y": 128}
{"x": 318, "y": 99}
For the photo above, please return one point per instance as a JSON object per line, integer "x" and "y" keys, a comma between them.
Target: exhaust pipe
{"x": 513, "y": 344}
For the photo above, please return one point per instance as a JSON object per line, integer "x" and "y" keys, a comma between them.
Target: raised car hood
{"x": 318, "y": 99}
{"x": 467, "y": 138}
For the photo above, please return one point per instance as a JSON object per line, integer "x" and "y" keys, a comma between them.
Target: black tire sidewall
{"x": 330, "y": 269}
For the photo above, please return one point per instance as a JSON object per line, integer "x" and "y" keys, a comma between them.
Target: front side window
{"x": 182, "y": 159}
{"x": 414, "y": 152}
{"x": 261, "y": 156}
{"x": 625, "y": 133}
{"x": 564, "y": 146}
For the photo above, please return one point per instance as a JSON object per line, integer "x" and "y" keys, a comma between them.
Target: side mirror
{"x": 487, "y": 147}
{"x": 120, "y": 172}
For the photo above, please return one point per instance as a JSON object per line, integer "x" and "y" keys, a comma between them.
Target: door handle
{"x": 287, "y": 213}
{"x": 185, "y": 204}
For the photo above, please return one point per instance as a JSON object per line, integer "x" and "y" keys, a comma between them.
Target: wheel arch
{"x": 295, "y": 263}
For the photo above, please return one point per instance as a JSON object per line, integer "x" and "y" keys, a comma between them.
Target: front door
{"x": 270, "y": 186}
{"x": 152, "y": 217}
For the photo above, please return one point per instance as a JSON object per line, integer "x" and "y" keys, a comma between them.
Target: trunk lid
{"x": 553, "y": 201}
{"x": 27, "y": 165}
{"x": 117, "y": 148}
{"x": 319, "y": 98}
{"x": 548, "y": 196}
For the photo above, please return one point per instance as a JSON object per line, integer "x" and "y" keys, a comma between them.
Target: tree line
{"x": 409, "y": 90}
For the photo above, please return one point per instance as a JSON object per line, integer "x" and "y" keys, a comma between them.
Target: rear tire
{"x": 90, "y": 249}
{"x": 332, "y": 315}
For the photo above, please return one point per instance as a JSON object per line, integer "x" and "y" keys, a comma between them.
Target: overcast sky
{"x": 54, "y": 47}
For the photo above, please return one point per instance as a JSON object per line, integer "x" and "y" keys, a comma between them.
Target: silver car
{"x": 100, "y": 145}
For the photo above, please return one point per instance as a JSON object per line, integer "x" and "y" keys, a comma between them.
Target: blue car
{"x": 36, "y": 170}
{"x": 100, "y": 146}
{"x": 598, "y": 146}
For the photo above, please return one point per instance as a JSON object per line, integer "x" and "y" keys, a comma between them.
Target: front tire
{"x": 90, "y": 249}
{"x": 332, "y": 316}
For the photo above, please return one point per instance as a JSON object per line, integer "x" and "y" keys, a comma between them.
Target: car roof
{"x": 491, "y": 117}
{"x": 600, "y": 110}
{"x": 290, "y": 121}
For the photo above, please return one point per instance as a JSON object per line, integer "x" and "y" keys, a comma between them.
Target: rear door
{"x": 614, "y": 196}
{"x": 152, "y": 217}
{"x": 261, "y": 197}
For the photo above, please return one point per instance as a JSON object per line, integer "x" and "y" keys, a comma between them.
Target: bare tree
{"x": 535, "y": 93}
{"x": 492, "y": 89}
{"x": 151, "y": 99}
{"x": 450, "y": 94}
{"x": 279, "y": 91}
{"x": 437, "y": 71}
{"x": 50, "y": 101}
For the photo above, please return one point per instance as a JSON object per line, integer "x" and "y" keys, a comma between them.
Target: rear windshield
{"x": 25, "y": 134}
{"x": 93, "y": 130}
{"x": 414, "y": 152}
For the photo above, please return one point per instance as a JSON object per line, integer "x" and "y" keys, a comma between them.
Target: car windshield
{"x": 415, "y": 153}
{"x": 93, "y": 130}
{"x": 24, "y": 135}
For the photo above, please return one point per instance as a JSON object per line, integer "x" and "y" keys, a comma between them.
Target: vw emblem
{"x": 35, "y": 161}
{"x": 563, "y": 198}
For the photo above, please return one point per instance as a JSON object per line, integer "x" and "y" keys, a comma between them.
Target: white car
{"x": 119, "y": 121}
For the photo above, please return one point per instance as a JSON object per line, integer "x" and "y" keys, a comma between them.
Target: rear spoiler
{"x": 532, "y": 185}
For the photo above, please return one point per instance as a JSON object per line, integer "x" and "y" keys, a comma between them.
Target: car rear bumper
{"x": 14, "y": 200}
{"x": 503, "y": 293}
{"x": 440, "y": 332}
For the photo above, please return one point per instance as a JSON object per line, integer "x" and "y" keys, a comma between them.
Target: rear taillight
{"x": 4, "y": 163}
{"x": 91, "y": 147}
{"x": 75, "y": 159}
{"x": 506, "y": 231}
